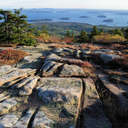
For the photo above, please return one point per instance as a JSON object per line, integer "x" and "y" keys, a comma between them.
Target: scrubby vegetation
{"x": 11, "y": 56}
{"x": 108, "y": 38}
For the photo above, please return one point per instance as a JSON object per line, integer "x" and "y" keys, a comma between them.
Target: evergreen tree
{"x": 118, "y": 32}
{"x": 72, "y": 35}
{"x": 101, "y": 31}
{"x": 68, "y": 33}
{"x": 5, "y": 25}
{"x": 83, "y": 37}
{"x": 126, "y": 33}
{"x": 94, "y": 31}
{"x": 14, "y": 27}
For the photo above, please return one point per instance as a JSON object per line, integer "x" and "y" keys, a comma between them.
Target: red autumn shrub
{"x": 11, "y": 56}
{"x": 68, "y": 39}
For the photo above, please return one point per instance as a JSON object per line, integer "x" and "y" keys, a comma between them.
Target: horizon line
{"x": 70, "y": 8}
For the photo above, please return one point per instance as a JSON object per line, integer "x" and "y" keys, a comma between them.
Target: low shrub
{"x": 108, "y": 38}
{"x": 68, "y": 40}
{"x": 11, "y": 56}
{"x": 46, "y": 38}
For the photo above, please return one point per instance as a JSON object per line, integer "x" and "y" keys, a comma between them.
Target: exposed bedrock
{"x": 58, "y": 92}
{"x": 115, "y": 103}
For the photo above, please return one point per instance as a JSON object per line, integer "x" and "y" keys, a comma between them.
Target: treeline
{"x": 84, "y": 36}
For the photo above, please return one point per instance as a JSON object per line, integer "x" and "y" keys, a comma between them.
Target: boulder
{"x": 58, "y": 89}
{"x": 85, "y": 53}
{"x": 103, "y": 51}
{"x": 61, "y": 95}
{"x": 49, "y": 68}
{"x": 63, "y": 51}
{"x": 106, "y": 58}
{"x": 47, "y": 65}
{"x": 52, "y": 57}
{"x": 71, "y": 70}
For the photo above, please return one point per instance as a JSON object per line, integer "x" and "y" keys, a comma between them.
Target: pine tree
{"x": 118, "y": 32}
{"x": 5, "y": 25}
{"x": 14, "y": 27}
{"x": 83, "y": 37}
{"x": 68, "y": 33}
{"x": 126, "y": 33}
{"x": 94, "y": 31}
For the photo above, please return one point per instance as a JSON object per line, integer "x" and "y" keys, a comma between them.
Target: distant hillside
{"x": 60, "y": 28}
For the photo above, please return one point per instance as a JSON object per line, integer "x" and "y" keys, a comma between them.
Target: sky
{"x": 86, "y": 4}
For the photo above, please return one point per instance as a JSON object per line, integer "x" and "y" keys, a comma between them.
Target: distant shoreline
{"x": 68, "y": 22}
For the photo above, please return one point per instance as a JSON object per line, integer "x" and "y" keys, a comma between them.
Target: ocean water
{"x": 93, "y": 17}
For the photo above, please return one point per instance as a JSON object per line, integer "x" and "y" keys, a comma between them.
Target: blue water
{"x": 93, "y": 17}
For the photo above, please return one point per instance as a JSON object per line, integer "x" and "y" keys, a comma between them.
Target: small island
{"x": 65, "y": 18}
{"x": 123, "y": 13}
{"x": 83, "y": 17}
{"x": 108, "y": 20}
{"x": 101, "y": 16}
{"x": 40, "y": 20}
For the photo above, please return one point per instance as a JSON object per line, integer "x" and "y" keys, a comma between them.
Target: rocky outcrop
{"x": 5, "y": 69}
{"x": 4, "y": 96}
{"x": 32, "y": 61}
{"x": 14, "y": 75}
{"x": 7, "y": 105}
{"x": 114, "y": 101}
{"x": 26, "y": 90}
{"x": 42, "y": 121}
{"x": 50, "y": 68}
{"x": 8, "y": 120}
{"x": 59, "y": 89}
{"x": 24, "y": 121}
{"x": 57, "y": 93}
{"x": 106, "y": 58}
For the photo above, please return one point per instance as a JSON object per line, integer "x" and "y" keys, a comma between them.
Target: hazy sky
{"x": 95, "y": 4}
